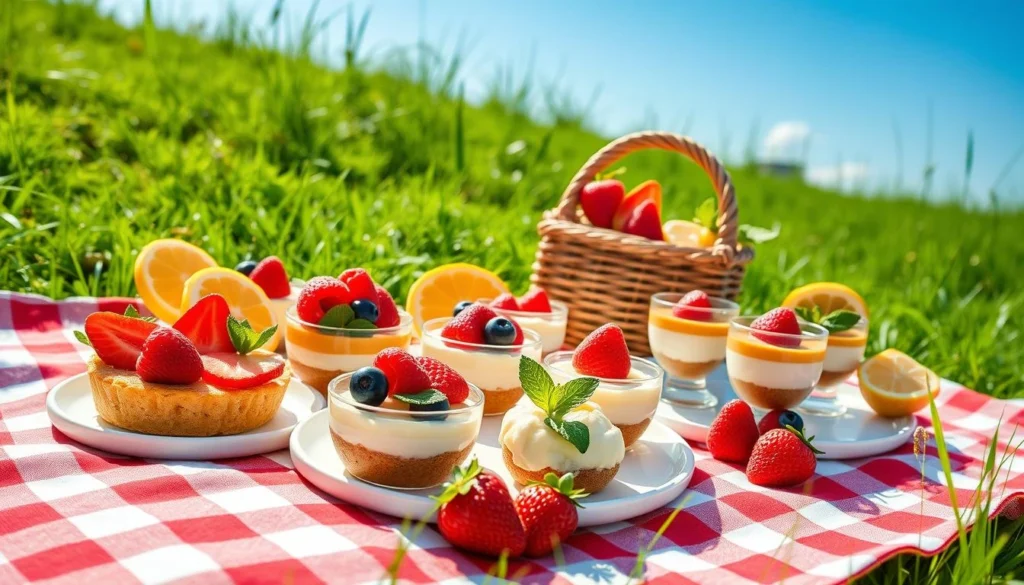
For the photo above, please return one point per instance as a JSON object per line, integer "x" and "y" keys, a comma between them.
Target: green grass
{"x": 111, "y": 137}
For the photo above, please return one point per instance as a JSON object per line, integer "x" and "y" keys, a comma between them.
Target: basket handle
{"x": 728, "y": 214}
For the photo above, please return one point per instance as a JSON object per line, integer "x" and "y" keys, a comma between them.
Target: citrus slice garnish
{"x": 161, "y": 269}
{"x": 436, "y": 293}
{"x": 245, "y": 298}
{"x": 688, "y": 234}
{"x": 894, "y": 384}
{"x": 827, "y": 296}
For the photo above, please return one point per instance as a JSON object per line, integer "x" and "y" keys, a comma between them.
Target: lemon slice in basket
{"x": 827, "y": 296}
{"x": 246, "y": 299}
{"x": 688, "y": 234}
{"x": 894, "y": 384}
{"x": 436, "y": 293}
{"x": 161, "y": 269}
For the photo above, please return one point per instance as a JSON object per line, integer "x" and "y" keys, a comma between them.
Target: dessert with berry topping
{"x": 484, "y": 348}
{"x": 339, "y": 324}
{"x": 559, "y": 430}
{"x": 687, "y": 334}
{"x": 204, "y": 376}
{"x": 774, "y": 360}
{"x": 534, "y": 311}
{"x": 404, "y": 422}
{"x": 271, "y": 275}
{"x": 628, "y": 388}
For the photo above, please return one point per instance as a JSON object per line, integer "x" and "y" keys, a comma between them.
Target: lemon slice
{"x": 437, "y": 292}
{"x": 894, "y": 384}
{"x": 245, "y": 298}
{"x": 161, "y": 269}
{"x": 827, "y": 296}
{"x": 680, "y": 232}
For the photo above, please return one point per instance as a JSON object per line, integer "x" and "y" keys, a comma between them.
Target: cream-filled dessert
{"x": 485, "y": 349}
{"x": 404, "y": 422}
{"x": 843, "y": 354}
{"x": 534, "y": 311}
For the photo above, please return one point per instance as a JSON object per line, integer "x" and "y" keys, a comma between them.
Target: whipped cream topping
{"x": 534, "y": 446}
{"x": 551, "y": 331}
{"x": 487, "y": 369}
{"x": 404, "y": 436}
{"x": 685, "y": 347}
{"x": 780, "y": 375}
{"x": 624, "y": 403}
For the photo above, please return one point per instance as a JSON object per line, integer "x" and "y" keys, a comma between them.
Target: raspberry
{"x": 445, "y": 379}
{"x": 319, "y": 295}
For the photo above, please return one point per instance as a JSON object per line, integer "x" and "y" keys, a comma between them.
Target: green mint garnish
{"x": 131, "y": 311}
{"x": 421, "y": 398}
{"x": 558, "y": 400}
{"x": 82, "y": 338}
{"x": 360, "y": 324}
{"x": 834, "y": 322}
{"x": 244, "y": 338}
{"x": 706, "y": 214}
{"x": 338, "y": 316}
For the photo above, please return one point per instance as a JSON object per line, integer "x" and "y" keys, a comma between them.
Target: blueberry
{"x": 461, "y": 307}
{"x": 246, "y": 267}
{"x": 499, "y": 331}
{"x": 368, "y": 386}
{"x": 791, "y": 419}
{"x": 365, "y": 309}
{"x": 433, "y": 407}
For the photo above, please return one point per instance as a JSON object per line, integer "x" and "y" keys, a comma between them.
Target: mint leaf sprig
{"x": 557, "y": 400}
{"x": 244, "y": 338}
{"x": 834, "y": 322}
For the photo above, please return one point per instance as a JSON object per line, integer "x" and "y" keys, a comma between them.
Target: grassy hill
{"x": 111, "y": 137}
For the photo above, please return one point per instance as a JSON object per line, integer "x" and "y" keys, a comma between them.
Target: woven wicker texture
{"x": 606, "y": 276}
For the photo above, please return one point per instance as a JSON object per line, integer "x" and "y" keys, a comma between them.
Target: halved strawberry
{"x": 535, "y": 301}
{"x": 506, "y": 302}
{"x": 387, "y": 310}
{"x": 206, "y": 325}
{"x": 231, "y": 371}
{"x": 779, "y": 326}
{"x": 691, "y": 305}
{"x": 603, "y": 354}
{"x": 359, "y": 283}
{"x": 117, "y": 339}
{"x": 271, "y": 276}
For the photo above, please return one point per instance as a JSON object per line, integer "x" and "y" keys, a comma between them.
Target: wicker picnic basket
{"x": 606, "y": 276}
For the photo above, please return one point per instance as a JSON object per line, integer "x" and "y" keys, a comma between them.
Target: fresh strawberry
{"x": 117, "y": 339}
{"x": 231, "y": 371}
{"x": 535, "y": 301}
{"x": 387, "y": 310}
{"x": 168, "y": 357}
{"x": 600, "y": 199}
{"x": 468, "y": 325}
{"x": 603, "y": 354}
{"x": 780, "y": 419}
{"x": 520, "y": 336}
{"x": 405, "y": 375}
{"x": 645, "y": 221}
{"x": 359, "y": 283}
{"x": 477, "y": 514}
{"x": 782, "y": 458}
{"x": 445, "y": 379}
{"x": 689, "y": 307}
{"x": 548, "y": 513}
{"x": 319, "y": 295}
{"x": 272, "y": 277}
{"x": 206, "y": 325}
{"x": 642, "y": 193}
{"x": 505, "y": 301}
{"x": 780, "y": 321}
{"x": 732, "y": 434}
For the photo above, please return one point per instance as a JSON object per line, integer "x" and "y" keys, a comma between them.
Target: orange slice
{"x": 161, "y": 269}
{"x": 436, "y": 293}
{"x": 827, "y": 296}
{"x": 894, "y": 384}
{"x": 688, "y": 234}
{"x": 246, "y": 299}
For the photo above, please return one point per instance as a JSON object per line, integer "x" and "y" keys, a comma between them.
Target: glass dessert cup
{"x": 492, "y": 368}
{"x": 280, "y": 308}
{"x": 550, "y": 326}
{"x": 318, "y": 354}
{"x": 774, "y": 370}
{"x": 843, "y": 353}
{"x": 629, "y": 402}
{"x": 398, "y": 448}
{"x": 689, "y": 349}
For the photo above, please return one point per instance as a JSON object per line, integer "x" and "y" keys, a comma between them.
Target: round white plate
{"x": 73, "y": 412}
{"x": 858, "y": 433}
{"x": 655, "y": 471}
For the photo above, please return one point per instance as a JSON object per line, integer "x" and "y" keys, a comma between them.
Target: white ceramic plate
{"x": 858, "y": 433}
{"x": 655, "y": 471}
{"x": 73, "y": 412}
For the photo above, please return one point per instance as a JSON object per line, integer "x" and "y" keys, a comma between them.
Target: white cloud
{"x": 846, "y": 174}
{"x": 786, "y": 139}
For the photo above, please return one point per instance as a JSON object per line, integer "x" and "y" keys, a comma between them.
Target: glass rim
{"x": 530, "y": 337}
{"x": 476, "y": 395}
{"x": 405, "y": 322}
{"x": 816, "y": 332}
{"x": 719, "y": 305}
{"x": 558, "y": 309}
{"x": 566, "y": 355}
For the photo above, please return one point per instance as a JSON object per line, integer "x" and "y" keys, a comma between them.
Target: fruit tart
{"x": 629, "y": 388}
{"x": 404, "y": 422}
{"x": 204, "y": 376}
{"x": 339, "y": 324}
{"x": 534, "y": 311}
{"x": 484, "y": 348}
{"x": 559, "y": 430}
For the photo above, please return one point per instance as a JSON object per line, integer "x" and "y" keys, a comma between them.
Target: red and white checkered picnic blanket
{"x": 72, "y": 514}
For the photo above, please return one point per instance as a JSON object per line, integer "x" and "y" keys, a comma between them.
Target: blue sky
{"x": 845, "y": 76}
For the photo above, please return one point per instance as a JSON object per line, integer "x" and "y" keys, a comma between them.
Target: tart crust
{"x": 589, "y": 480}
{"x": 394, "y": 471}
{"x": 499, "y": 400}
{"x": 125, "y": 400}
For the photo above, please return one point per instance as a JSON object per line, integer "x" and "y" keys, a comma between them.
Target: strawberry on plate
{"x": 206, "y": 325}
{"x": 780, "y": 419}
{"x": 733, "y": 433}
{"x": 693, "y": 306}
{"x": 271, "y": 276}
{"x": 444, "y": 379}
{"x": 535, "y": 301}
{"x": 778, "y": 327}
{"x": 782, "y": 458}
{"x": 548, "y": 512}
{"x": 360, "y": 284}
{"x": 117, "y": 339}
{"x": 478, "y": 515}
{"x": 468, "y": 325}
{"x": 388, "y": 315}
{"x": 600, "y": 199}
{"x": 404, "y": 373}
{"x": 506, "y": 302}
{"x": 603, "y": 354}
{"x": 168, "y": 357}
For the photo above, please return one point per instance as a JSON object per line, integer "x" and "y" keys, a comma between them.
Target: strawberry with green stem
{"x": 547, "y": 510}
{"x": 477, "y": 513}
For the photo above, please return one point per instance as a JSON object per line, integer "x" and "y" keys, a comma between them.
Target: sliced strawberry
{"x": 779, "y": 326}
{"x": 359, "y": 283}
{"x": 387, "y": 310}
{"x": 468, "y": 326}
{"x": 535, "y": 301}
{"x": 231, "y": 371}
{"x": 603, "y": 354}
{"x": 505, "y": 302}
{"x": 645, "y": 221}
{"x": 320, "y": 294}
{"x": 168, "y": 357}
{"x": 206, "y": 325}
{"x": 117, "y": 339}
{"x": 272, "y": 277}
{"x": 405, "y": 375}
{"x": 691, "y": 305}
